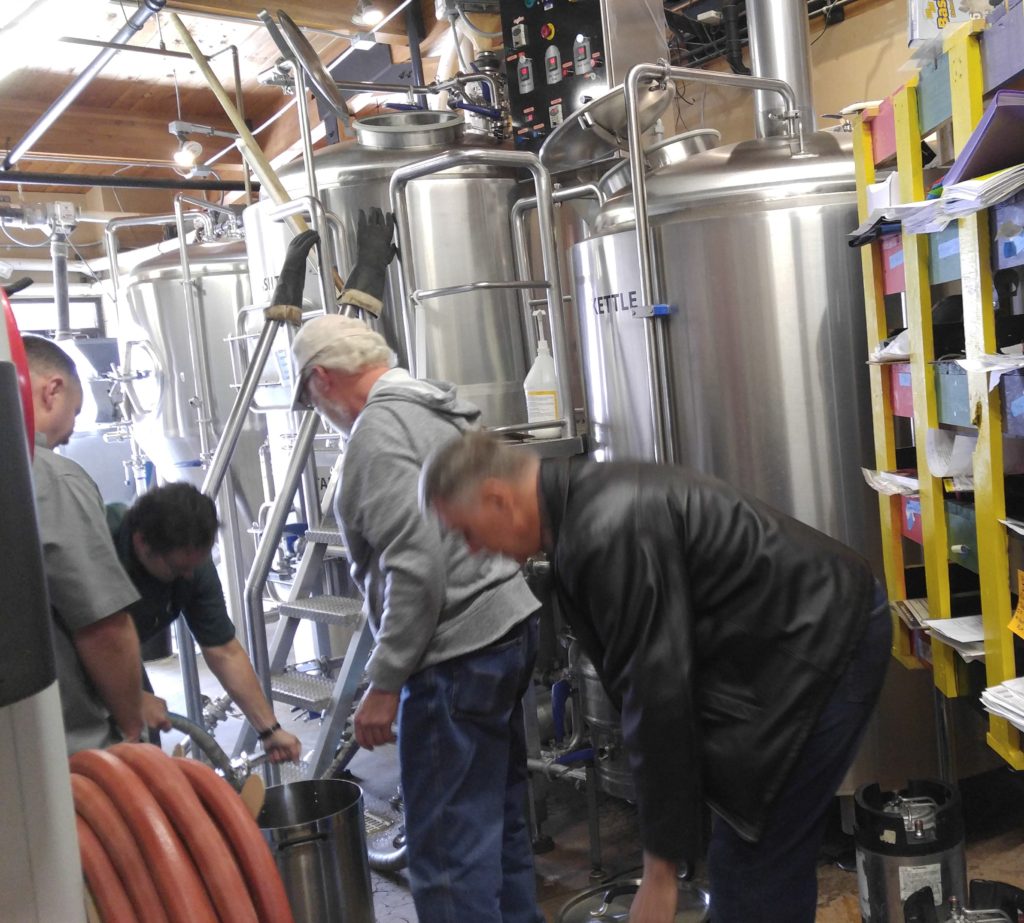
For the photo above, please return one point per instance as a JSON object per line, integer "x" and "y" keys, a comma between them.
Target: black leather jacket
{"x": 718, "y": 625}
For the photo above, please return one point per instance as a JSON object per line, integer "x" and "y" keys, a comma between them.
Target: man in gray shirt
{"x": 99, "y": 668}
{"x": 455, "y": 632}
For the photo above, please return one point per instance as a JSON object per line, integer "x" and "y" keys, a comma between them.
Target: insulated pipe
{"x": 23, "y": 178}
{"x": 518, "y": 160}
{"x": 210, "y": 852}
{"x": 146, "y": 9}
{"x": 780, "y": 49}
{"x": 251, "y": 850}
{"x": 59, "y": 257}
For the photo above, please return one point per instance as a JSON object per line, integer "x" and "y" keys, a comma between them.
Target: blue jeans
{"x": 775, "y": 880}
{"x": 462, "y": 749}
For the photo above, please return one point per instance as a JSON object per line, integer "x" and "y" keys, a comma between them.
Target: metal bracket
{"x": 655, "y": 310}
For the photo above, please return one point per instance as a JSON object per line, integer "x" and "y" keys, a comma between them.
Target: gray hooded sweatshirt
{"x": 428, "y": 598}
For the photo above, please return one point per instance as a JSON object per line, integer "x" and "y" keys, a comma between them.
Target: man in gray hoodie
{"x": 456, "y": 633}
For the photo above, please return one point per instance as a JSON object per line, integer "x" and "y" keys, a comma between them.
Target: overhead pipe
{"x": 733, "y": 43}
{"x": 780, "y": 50}
{"x": 145, "y": 11}
{"x": 24, "y": 178}
{"x": 414, "y": 31}
{"x": 59, "y": 257}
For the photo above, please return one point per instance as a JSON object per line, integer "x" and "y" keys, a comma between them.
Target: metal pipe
{"x": 414, "y": 31}
{"x": 780, "y": 49}
{"x": 555, "y": 770}
{"x": 520, "y": 246}
{"x": 146, "y": 9}
{"x": 236, "y": 418}
{"x": 426, "y": 294}
{"x": 305, "y": 129}
{"x": 189, "y": 671}
{"x": 59, "y": 258}
{"x": 119, "y": 224}
{"x": 525, "y": 427}
{"x": 255, "y": 620}
{"x": 518, "y": 160}
{"x": 120, "y": 46}
{"x": 236, "y": 74}
{"x": 196, "y": 334}
{"x": 23, "y": 178}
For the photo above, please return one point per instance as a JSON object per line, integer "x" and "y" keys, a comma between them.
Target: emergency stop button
{"x": 547, "y": 31}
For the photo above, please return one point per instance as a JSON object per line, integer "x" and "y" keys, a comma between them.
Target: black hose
{"x": 733, "y": 43}
{"x": 205, "y": 742}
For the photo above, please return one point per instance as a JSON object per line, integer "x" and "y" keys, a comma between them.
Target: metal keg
{"x": 605, "y": 725}
{"x": 612, "y": 901}
{"x": 906, "y": 841}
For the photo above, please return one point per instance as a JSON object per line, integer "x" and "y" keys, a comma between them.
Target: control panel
{"x": 555, "y": 60}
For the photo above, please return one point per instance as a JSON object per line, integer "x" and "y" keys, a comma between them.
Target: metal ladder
{"x": 311, "y": 691}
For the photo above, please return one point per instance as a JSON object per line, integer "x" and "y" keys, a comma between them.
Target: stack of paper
{"x": 1007, "y": 701}
{"x": 972, "y": 195}
{"x": 965, "y": 635}
{"x": 892, "y": 483}
{"x": 894, "y": 349}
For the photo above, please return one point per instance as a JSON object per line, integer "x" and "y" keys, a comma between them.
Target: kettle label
{"x": 616, "y": 301}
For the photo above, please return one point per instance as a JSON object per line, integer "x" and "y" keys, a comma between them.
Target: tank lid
{"x": 409, "y": 130}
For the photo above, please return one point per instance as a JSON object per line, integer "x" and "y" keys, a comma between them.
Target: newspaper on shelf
{"x": 965, "y": 634}
{"x": 1006, "y": 701}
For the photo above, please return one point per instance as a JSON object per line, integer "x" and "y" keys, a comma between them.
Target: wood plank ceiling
{"x": 119, "y": 122}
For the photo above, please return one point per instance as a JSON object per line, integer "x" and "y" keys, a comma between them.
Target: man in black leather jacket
{"x": 745, "y": 649}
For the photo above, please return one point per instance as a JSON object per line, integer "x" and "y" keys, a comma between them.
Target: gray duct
{"x": 139, "y": 17}
{"x": 780, "y": 48}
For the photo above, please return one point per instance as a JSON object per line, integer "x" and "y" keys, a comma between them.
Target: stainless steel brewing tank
{"x": 461, "y": 234}
{"x": 153, "y": 336}
{"x": 766, "y": 351}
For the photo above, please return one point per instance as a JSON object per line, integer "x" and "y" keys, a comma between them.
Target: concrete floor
{"x": 994, "y": 813}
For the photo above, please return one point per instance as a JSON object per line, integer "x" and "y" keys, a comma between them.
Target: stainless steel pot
{"x": 612, "y": 901}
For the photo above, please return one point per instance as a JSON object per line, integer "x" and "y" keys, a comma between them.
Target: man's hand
{"x": 658, "y": 895}
{"x": 374, "y": 717}
{"x": 282, "y": 746}
{"x": 154, "y": 712}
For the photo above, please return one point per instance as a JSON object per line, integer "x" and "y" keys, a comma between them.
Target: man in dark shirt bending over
{"x": 164, "y": 541}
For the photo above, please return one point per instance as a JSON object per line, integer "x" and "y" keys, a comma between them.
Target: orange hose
{"x": 98, "y": 811}
{"x": 104, "y": 884}
{"x": 178, "y": 883}
{"x": 211, "y": 854}
{"x": 240, "y": 829}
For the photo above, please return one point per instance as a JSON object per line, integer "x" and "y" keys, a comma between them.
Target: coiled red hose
{"x": 168, "y": 841}
{"x": 213, "y": 857}
{"x": 240, "y": 829}
{"x": 177, "y": 882}
{"x": 104, "y": 883}
{"x": 97, "y": 810}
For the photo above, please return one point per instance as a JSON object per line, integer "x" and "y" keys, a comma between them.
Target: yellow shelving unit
{"x": 964, "y": 55}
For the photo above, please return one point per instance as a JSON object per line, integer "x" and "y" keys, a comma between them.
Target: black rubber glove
{"x": 292, "y": 279}
{"x": 375, "y": 248}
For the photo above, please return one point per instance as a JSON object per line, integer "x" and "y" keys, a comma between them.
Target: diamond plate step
{"x": 305, "y": 690}
{"x": 332, "y": 610}
{"x": 326, "y": 536}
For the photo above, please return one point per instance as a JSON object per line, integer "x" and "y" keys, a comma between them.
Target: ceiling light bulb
{"x": 188, "y": 153}
{"x": 367, "y": 14}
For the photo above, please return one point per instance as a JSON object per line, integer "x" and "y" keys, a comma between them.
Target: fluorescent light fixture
{"x": 367, "y": 14}
{"x": 29, "y": 32}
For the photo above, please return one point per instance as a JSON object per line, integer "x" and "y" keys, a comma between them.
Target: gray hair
{"x": 46, "y": 358}
{"x": 461, "y": 465}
